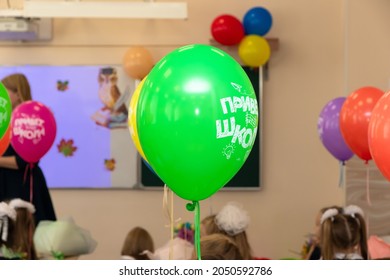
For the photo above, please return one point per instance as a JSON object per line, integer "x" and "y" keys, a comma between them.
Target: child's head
{"x": 18, "y": 88}
{"x": 232, "y": 221}
{"x": 218, "y": 247}
{"x": 21, "y": 228}
{"x": 137, "y": 241}
{"x": 343, "y": 232}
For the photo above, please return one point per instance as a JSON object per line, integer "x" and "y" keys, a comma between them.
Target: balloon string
{"x": 168, "y": 210}
{"x": 368, "y": 184}
{"x": 29, "y": 167}
{"x": 194, "y": 206}
{"x": 171, "y": 219}
{"x": 341, "y": 174}
{"x": 31, "y": 182}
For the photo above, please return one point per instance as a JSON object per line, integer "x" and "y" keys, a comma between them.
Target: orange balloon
{"x": 355, "y": 116}
{"x": 4, "y": 141}
{"x": 379, "y": 135}
{"x": 137, "y": 62}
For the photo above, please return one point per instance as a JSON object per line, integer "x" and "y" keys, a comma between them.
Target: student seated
{"x": 16, "y": 229}
{"x": 343, "y": 234}
{"x": 231, "y": 221}
{"x": 136, "y": 245}
{"x": 311, "y": 249}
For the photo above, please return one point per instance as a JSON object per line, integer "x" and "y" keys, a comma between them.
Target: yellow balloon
{"x": 254, "y": 50}
{"x": 132, "y": 121}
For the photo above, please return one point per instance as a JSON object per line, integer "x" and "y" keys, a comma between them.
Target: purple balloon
{"x": 328, "y": 127}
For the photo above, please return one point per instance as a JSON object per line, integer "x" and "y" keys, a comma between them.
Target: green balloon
{"x": 5, "y": 110}
{"x": 197, "y": 118}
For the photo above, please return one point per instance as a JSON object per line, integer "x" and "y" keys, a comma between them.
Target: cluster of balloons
{"x": 194, "y": 119}
{"x": 137, "y": 62}
{"x": 358, "y": 124}
{"x": 253, "y": 48}
{"x": 30, "y": 128}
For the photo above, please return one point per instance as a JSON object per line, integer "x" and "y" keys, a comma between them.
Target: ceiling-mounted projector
{"x": 22, "y": 29}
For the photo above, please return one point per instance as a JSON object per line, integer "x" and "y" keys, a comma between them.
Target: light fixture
{"x": 106, "y": 9}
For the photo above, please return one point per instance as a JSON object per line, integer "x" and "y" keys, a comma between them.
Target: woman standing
{"x": 15, "y": 176}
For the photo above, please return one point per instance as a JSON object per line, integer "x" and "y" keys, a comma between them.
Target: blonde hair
{"x": 137, "y": 241}
{"x": 19, "y": 84}
{"x": 218, "y": 246}
{"x": 210, "y": 226}
{"x": 240, "y": 239}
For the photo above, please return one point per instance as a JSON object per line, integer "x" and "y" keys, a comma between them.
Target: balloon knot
{"x": 191, "y": 206}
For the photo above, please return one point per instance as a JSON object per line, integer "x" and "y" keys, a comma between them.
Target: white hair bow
{"x": 19, "y": 203}
{"x": 351, "y": 210}
{"x": 329, "y": 214}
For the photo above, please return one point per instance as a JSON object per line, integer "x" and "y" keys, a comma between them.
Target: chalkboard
{"x": 248, "y": 177}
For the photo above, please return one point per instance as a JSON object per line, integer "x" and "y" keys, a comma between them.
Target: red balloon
{"x": 379, "y": 135}
{"x": 5, "y": 140}
{"x": 354, "y": 119}
{"x": 227, "y": 30}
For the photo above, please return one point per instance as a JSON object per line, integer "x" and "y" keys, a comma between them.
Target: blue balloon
{"x": 257, "y": 21}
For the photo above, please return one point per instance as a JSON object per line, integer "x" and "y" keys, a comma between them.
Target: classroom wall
{"x": 299, "y": 175}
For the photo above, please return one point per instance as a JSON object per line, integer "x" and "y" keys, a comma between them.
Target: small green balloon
{"x": 5, "y": 110}
{"x": 197, "y": 119}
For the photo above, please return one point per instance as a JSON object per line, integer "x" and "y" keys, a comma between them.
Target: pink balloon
{"x": 33, "y": 130}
